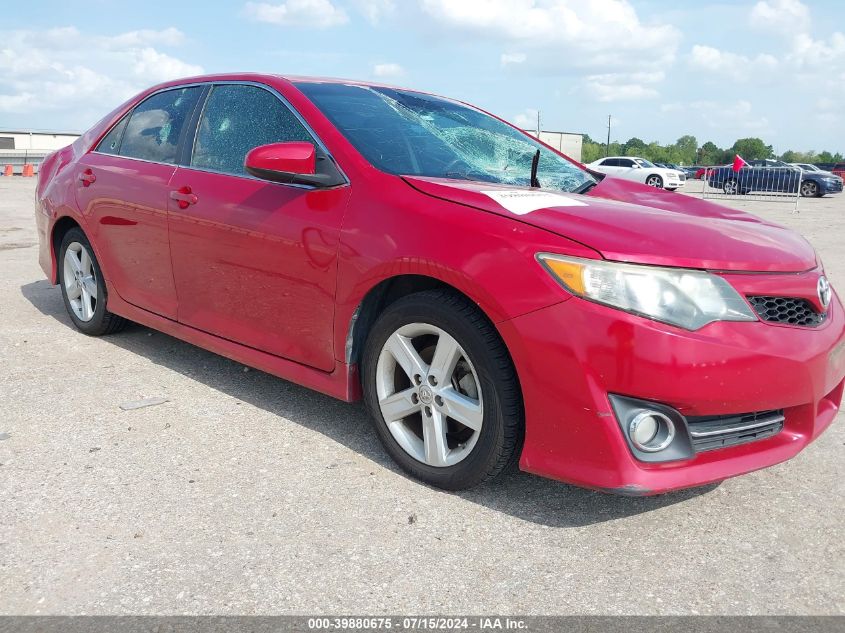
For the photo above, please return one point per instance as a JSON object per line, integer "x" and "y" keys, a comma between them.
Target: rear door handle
{"x": 184, "y": 197}
{"x": 87, "y": 178}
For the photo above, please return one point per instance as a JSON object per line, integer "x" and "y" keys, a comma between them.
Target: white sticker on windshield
{"x": 520, "y": 201}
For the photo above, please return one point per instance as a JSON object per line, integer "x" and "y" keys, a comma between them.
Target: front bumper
{"x": 831, "y": 186}
{"x": 571, "y": 355}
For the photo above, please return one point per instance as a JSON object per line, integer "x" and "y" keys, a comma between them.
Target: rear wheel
{"x": 654, "y": 181}
{"x": 730, "y": 187}
{"x": 442, "y": 391}
{"x": 83, "y": 288}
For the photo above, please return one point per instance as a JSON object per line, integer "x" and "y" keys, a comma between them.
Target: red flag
{"x": 739, "y": 162}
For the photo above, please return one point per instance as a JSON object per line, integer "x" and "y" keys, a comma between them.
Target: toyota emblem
{"x": 824, "y": 291}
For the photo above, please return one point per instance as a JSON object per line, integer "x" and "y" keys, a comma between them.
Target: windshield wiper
{"x": 535, "y": 163}
{"x": 584, "y": 187}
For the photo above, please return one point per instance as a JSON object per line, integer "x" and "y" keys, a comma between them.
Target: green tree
{"x": 634, "y": 147}
{"x": 684, "y": 150}
{"x": 710, "y": 154}
{"x": 752, "y": 148}
{"x": 827, "y": 157}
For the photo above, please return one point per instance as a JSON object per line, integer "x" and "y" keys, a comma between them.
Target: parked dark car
{"x": 773, "y": 176}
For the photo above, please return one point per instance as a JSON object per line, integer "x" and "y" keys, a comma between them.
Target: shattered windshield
{"x": 409, "y": 133}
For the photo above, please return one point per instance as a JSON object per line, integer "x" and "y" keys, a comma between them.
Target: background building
{"x": 568, "y": 143}
{"x": 18, "y": 147}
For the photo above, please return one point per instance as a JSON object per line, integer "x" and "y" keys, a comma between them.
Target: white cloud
{"x": 734, "y": 119}
{"x": 601, "y": 34}
{"x": 807, "y": 51}
{"x": 318, "y": 14}
{"x": 160, "y": 66}
{"x": 609, "y": 87}
{"x": 527, "y": 119}
{"x": 388, "y": 70}
{"x": 780, "y": 16}
{"x": 731, "y": 65}
{"x": 808, "y": 64}
{"x": 376, "y": 10}
{"x": 509, "y": 59}
{"x": 78, "y": 77}
{"x": 145, "y": 37}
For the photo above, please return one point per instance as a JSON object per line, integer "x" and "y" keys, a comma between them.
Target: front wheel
{"x": 83, "y": 288}
{"x": 810, "y": 189}
{"x": 442, "y": 390}
{"x": 654, "y": 181}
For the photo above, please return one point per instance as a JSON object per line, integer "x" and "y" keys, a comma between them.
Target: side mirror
{"x": 292, "y": 163}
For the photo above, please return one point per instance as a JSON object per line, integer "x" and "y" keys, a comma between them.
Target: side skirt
{"x": 341, "y": 383}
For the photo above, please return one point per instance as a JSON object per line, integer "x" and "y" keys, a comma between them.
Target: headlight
{"x": 687, "y": 298}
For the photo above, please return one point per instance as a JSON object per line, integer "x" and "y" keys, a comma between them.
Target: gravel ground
{"x": 245, "y": 494}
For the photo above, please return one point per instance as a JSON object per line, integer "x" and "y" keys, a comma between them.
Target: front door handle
{"x": 87, "y": 178}
{"x": 184, "y": 197}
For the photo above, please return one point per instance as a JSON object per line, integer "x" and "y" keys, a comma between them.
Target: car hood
{"x": 652, "y": 226}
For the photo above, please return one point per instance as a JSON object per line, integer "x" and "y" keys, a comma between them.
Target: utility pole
{"x": 607, "y": 147}
{"x": 538, "y": 124}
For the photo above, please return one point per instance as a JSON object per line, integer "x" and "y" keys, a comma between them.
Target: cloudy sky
{"x": 662, "y": 68}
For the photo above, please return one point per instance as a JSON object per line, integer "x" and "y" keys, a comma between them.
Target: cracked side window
{"x": 238, "y": 118}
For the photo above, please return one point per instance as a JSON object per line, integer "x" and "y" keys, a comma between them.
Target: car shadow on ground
{"x": 515, "y": 493}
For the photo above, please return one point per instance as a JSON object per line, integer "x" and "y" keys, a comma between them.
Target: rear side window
{"x": 610, "y": 162}
{"x": 156, "y": 125}
{"x": 238, "y": 118}
{"x": 111, "y": 141}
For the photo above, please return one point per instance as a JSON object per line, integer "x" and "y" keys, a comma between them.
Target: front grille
{"x": 719, "y": 431}
{"x": 787, "y": 310}
{"x": 682, "y": 177}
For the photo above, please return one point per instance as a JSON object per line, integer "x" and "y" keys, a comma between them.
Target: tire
{"x": 481, "y": 379}
{"x": 730, "y": 187}
{"x": 83, "y": 288}
{"x": 653, "y": 180}
{"x": 810, "y": 189}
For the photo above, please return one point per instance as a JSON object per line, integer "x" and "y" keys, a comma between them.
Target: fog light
{"x": 651, "y": 431}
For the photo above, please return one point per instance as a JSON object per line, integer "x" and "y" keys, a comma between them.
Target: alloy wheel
{"x": 429, "y": 394}
{"x": 730, "y": 187}
{"x": 79, "y": 281}
{"x": 654, "y": 181}
{"x": 809, "y": 189}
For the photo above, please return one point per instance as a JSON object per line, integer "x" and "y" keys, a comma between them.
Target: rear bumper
{"x": 43, "y": 225}
{"x": 570, "y": 356}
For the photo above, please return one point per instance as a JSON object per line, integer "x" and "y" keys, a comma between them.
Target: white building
{"x": 18, "y": 147}
{"x": 568, "y": 143}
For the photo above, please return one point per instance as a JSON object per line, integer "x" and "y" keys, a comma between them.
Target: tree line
{"x": 686, "y": 151}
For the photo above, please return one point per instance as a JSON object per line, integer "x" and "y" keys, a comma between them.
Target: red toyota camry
{"x": 490, "y": 299}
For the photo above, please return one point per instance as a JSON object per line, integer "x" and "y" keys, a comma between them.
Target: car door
{"x": 122, "y": 192}
{"x": 254, "y": 261}
{"x": 627, "y": 168}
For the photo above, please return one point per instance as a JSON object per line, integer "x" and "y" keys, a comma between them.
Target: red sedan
{"x": 491, "y": 300}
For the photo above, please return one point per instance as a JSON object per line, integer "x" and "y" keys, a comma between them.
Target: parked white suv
{"x": 641, "y": 170}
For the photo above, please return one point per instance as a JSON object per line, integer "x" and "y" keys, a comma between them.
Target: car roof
{"x": 293, "y": 79}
